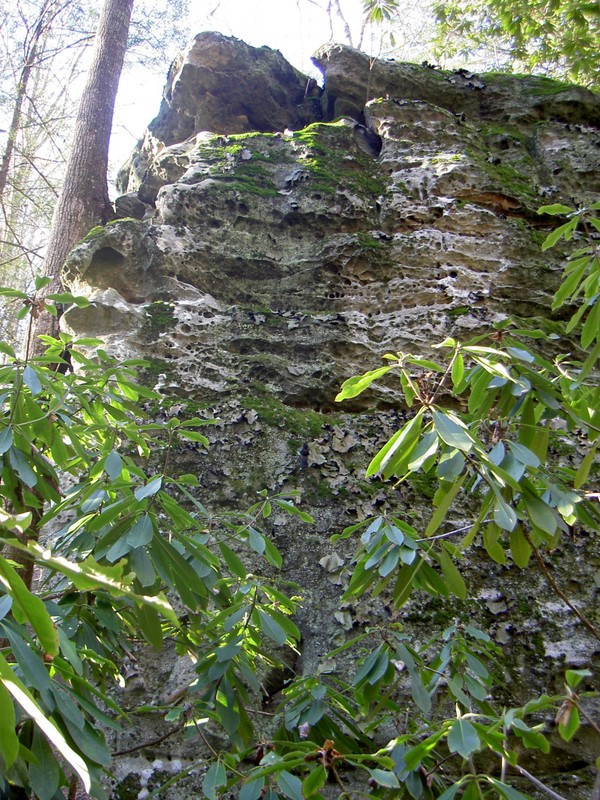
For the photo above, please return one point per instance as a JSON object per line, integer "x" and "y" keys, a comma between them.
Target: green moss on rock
{"x": 301, "y": 422}
{"x": 326, "y": 158}
{"x": 158, "y": 317}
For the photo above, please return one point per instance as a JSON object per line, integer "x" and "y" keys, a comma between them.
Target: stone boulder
{"x": 223, "y": 85}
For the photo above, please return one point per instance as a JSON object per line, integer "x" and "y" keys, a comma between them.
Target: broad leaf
{"x": 290, "y": 785}
{"x": 23, "y": 697}
{"x": 463, "y": 738}
{"x": 31, "y": 607}
{"x": 452, "y": 431}
{"x": 357, "y": 384}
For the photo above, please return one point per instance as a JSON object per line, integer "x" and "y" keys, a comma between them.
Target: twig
{"x": 72, "y": 788}
{"x": 150, "y": 743}
{"x": 557, "y": 588}
{"x": 588, "y": 719}
{"x": 205, "y": 740}
{"x": 550, "y": 792}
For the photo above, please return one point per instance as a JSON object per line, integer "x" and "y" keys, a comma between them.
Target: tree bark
{"x": 84, "y": 201}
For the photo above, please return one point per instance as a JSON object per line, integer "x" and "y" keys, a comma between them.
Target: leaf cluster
{"x": 555, "y": 36}
{"x": 133, "y": 555}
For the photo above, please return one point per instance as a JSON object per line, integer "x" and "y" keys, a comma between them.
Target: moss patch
{"x": 158, "y": 317}
{"x": 368, "y": 242}
{"x": 307, "y": 424}
{"x": 100, "y": 230}
{"x": 326, "y": 158}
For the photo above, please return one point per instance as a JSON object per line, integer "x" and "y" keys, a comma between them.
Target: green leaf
{"x": 290, "y": 785}
{"x": 358, "y": 383}
{"x": 151, "y": 488}
{"x": 194, "y": 436}
{"x": 494, "y": 549}
{"x": 451, "y": 465}
{"x": 233, "y": 561}
{"x": 426, "y": 448}
{"x": 456, "y": 687}
{"x": 141, "y": 533}
{"x": 506, "y": 791}
{"x": 574, "y": 677}
{"x": 452, "y": 431}
{"x": 524, "y": 455}
{"x": 272, "y": 554}
{"x": 88, "y": 575}
{"x": 6, "y": 439}
{"x": 504, "y": 515}
{"x": 533, "y": 740}
{"x": 569, "y": 722}
{"x": 216, "y": 776}
{"x": 584, "y": 468}
{"x": 271, "y": 627}
{"x": 428, "y": 579}
{"x": 149, "y": 623}
{"x": 385, "y": 778}
{"x": 591, "y": 328}
{"x": 31, "y": 380}
{"x": 6, "y": 292}
{"x": 520, "y": 549}
{"x": 565, "y": 231}
{"x": 452, "y": 576}
{"x": 9, "y": 742}
{"x": 570, "y": 285}
{"x": 450, "y": 792}
{"x": 44, "y": 775}
{"x": 31, "y": 665}
{"x": 444, "y": 504}
{"x": 41, "y": 281}
{"x": 405, "y": 581}
{"x": 463, "y": 738}
{"x": 540, "y": 514}
{"x": 371, "y": 666}
{"x": 285, "y": 622}
{"x": 252, "y": 789}
{"x": 401, "y": 439}
{"x": 22, "y": 467}
{"x": 554, "y": 208}
{"x": 419, "y": 693}
{"x": 256, "y": 541}
{"x": 67, "y": 298}
{"x": 314, "y": 780}
{"x": 23, "y": 697}
{"x": 188, "y": 479}
{"x": 91, "y": 742}
{"x": 458, "y": 370}
{"x": 31, "y": 607}
{"x": 113, "y": 465}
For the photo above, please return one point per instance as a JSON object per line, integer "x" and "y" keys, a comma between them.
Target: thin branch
{"x": 542, "y": 786}
{"x": 149, "y": 743}
{"x": 558, "y": 590}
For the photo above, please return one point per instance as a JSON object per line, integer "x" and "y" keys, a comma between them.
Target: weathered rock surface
{"x": 220, "y": 84}
{"x": 272, "y": 264}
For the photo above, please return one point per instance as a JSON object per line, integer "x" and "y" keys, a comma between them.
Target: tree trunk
{"x": 83, "y": 201}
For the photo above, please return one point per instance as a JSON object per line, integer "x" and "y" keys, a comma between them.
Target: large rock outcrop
{"x": 285, "y": 238}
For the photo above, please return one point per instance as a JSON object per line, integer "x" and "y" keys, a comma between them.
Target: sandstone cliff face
{"x": 282, "y": 237}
